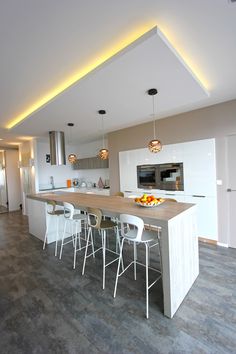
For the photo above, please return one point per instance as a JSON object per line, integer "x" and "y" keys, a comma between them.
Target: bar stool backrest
{"x": 135, "y": 233}
{"x": 119, "y": 194}
{"x": 69, "y": 210}
{"x": 94, "y": 217}
{"x": 51, "y": 207}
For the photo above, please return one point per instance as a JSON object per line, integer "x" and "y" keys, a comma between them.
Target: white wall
{"x": 13, "y": 180}
{"x": 45, "y": 170}
{"x": 62, "y": 173}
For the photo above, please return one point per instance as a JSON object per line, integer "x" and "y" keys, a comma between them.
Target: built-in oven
{"x": 170, "y": 176}
{"x": 146, "y": 176}
{"x": 165, "y": 176}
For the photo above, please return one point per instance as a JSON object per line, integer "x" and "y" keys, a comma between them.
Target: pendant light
{"x": 155, "y": 144}
{"x": 103, "y": 153}
{"x": 72, "y": 158}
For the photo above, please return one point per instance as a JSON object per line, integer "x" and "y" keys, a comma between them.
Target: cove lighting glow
{"x": 133, "y": 39}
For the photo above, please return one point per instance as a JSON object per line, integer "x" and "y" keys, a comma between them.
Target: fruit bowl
{"x": 147, "y": 205}
{"x": 148, "y": 201}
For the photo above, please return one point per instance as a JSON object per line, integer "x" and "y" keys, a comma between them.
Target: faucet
{"x": 52, "y": 182}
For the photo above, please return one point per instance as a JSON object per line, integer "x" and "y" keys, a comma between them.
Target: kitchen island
{"x": 179, "y": 242}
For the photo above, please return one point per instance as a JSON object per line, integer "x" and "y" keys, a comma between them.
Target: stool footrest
{"x": 154, "y": 282}
{"x": 101, "y": 248}
{"x": 114, "y": 260}
{"x": 143, "y": 265}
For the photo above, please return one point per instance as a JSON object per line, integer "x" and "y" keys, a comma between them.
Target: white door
{"x": 231, "y": 163}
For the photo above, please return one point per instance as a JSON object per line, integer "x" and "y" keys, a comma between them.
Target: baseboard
{"x": 213, "y": 242}
{"x": 222, "y": 244}
{"x": 207, "y": 240}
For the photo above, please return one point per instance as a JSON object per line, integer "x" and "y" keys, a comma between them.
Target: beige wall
{"x": 216, "y": 121}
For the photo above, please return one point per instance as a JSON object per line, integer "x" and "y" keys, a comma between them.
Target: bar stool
{"x": 137, "y": 234}
{"x": 52, "y": 212}
{"x": 75, "y": 219}
{"x": 96, "y": 222}
{"x": 119, "y": 194}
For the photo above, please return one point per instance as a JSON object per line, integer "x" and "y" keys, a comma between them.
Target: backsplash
{"x": 93, "y": 175}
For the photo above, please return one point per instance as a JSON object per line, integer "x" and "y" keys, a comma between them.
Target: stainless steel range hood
{"x": 57, "y": 148}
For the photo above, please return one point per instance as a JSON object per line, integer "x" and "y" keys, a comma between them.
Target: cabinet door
{"x": 231, "y": 169}
{"x": 206, "y": 216}
{"x": 178, "y": 197}
{"x": 95, "y": 162}
{"x": 128, "y": 170}
{"x": 89, "y": 163}
{"x": 200, "y": 168}
{"x": 75, "y": 166}
{"x": 104, "y": 163}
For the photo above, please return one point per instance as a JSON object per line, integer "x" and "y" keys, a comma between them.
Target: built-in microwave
{"x": 166, "y": 176}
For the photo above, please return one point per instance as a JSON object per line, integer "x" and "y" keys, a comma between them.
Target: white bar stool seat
{"x": 137, "y": 234}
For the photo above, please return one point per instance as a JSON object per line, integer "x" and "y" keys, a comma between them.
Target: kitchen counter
{"x": 93, "y": 190}
{"x": 179, "y": 242}
{"x": 51, "y": 189}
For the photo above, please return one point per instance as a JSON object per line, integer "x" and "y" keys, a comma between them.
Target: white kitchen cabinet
{"x": 206, "y": 216}
{"x": 199, "y": 167}
{"x": 128, "y": 169}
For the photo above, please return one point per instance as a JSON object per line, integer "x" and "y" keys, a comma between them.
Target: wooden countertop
{"x": 113, "y": 204}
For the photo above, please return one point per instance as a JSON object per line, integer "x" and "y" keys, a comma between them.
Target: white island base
{"x": 179, "y": 241}
{"x": 39, "y": 219}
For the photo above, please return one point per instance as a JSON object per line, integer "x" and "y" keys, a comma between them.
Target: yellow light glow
{"x": 195, "y": 70}
{"x": 79, "y": 75}
{"x": 105, "y": 56}
{"x": 12, "y": 143}
{"x": 25, "y": 138}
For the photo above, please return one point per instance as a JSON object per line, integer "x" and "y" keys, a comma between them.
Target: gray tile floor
{"x": 46, "y": 307}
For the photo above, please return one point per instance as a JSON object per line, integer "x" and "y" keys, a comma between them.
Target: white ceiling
{"x": 45, "y": 42}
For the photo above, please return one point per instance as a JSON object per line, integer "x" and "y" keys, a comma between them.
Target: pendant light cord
{"x": 103, "y": 145}
{"x": 154, "y": 122}
{"x": 69, "y": 136}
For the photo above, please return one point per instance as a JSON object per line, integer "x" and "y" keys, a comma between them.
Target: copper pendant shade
{"x": 72, "y": 158}
{"x": 103, "y": 153}
{"x": 154, "y": 145}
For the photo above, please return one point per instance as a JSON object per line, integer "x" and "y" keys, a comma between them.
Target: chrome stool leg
{"x": 147, "y": 285}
